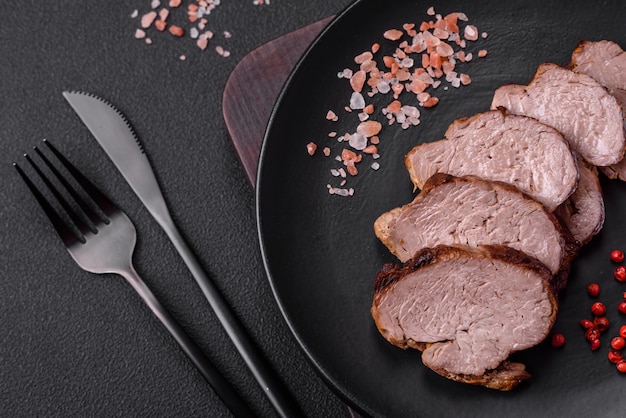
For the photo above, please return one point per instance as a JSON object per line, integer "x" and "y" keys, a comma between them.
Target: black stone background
{"x": 76, "y": 344}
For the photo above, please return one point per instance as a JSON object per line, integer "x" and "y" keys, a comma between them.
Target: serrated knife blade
{"x": 118, "y": 139}
{"x": 114, "y": 133}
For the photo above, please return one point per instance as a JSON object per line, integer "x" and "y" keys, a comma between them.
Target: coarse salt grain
{"x": 221, "y": 51}
{"x": 357, "y": 101}
{"x": 357, "y": 141}
{"x": 202, "y": 43}
{"x": 393, "y": 34}
{"x": 176, "y": 31}
{"x": 147, "y": 19}
{"x": 471, "y": 33}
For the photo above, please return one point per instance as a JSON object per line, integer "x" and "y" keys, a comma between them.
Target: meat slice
{"x": 467, "y": 310}
{"x": 583, "y": 212}
{"x": 498, "y": 146}
{"x": 604, "y": 61}
{"x": 471, "y": 211}
{"x": 575, "y": 104}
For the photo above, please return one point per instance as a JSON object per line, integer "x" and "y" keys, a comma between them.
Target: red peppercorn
{"x": 622, "y": 331}
{"x": 593, "y": 289}
{"x": 558, "y": 340}
{"x": 618, "y": 343}
{"x": 620, "y": 273}
{"x": 621, "y": 366}
{"x": 586, "y": 324}
{"x": 595, "y": 344}
{"x": 615, "y": 356}
{"x": 601, "y": 323}
{"x": 598, "y": 309}
{"x": 617, "y": 256}
{"x": 592, "y": 334}
{"x": 622, "y": 307}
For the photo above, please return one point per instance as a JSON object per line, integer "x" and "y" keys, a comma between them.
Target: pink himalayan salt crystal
{"x": 202, "y": 43}
{"x": 148, "y": 19}
{"x": 364, "y": 57}
{"x": 392, "y": 34}
{"x": 471, "y": 33}
{"x": 330, "y": 115}
{"x": 357, "y": 81}
{"x": 369, "y": 128}
{"x": 358, "y": 141}
{"x": 357, "y": 101}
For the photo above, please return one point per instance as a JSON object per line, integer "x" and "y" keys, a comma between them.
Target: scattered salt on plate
{"x": 426, "y": 56}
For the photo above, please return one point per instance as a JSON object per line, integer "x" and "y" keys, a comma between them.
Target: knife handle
{"x": 260, "y": 367}
{"x": 220, "y": 385}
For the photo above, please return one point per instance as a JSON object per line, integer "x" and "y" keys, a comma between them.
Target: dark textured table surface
{"x": 77, "y": 344}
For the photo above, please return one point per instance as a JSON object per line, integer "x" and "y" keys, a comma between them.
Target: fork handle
{"x": 210, "y": 373}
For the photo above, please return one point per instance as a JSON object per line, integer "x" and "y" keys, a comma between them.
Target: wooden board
{"x": 250, "y": 94}
{"x": 253, "y": 87}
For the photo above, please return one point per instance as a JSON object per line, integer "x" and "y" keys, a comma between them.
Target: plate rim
{"x": 319, "y": 369}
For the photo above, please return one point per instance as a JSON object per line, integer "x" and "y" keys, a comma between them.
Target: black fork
{"x": 101, "y": 239}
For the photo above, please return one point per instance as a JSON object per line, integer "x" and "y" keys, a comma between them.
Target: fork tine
{"x": 76, "y": 219}
{"x": 67, "y": 235}
{"x": 94, "y": 193}
{"x": 91, "y": 214}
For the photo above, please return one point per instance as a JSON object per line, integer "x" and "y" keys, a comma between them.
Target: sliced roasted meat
{"x": 467, "y": 310}
{"x": 576, "y": 105}
{"x": 583, "y": 211}
{"x": 471, "y": 211}
{"x": 605, "y": 61}
{"x": 497, "y": 146}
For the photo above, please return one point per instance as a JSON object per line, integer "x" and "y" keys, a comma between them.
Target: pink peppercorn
{"x": 617, "y": 256}
{"x": 620, "y": 273}
{"x": 558, "y": 340}
{"x": 598, "y": 309}
{"x": 618, "y": 343}
{"x": 593, "y": 289}
{"x": 615, "y": 356}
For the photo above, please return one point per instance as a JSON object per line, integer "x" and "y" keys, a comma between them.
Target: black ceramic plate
{"x": 320, "y": 250}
